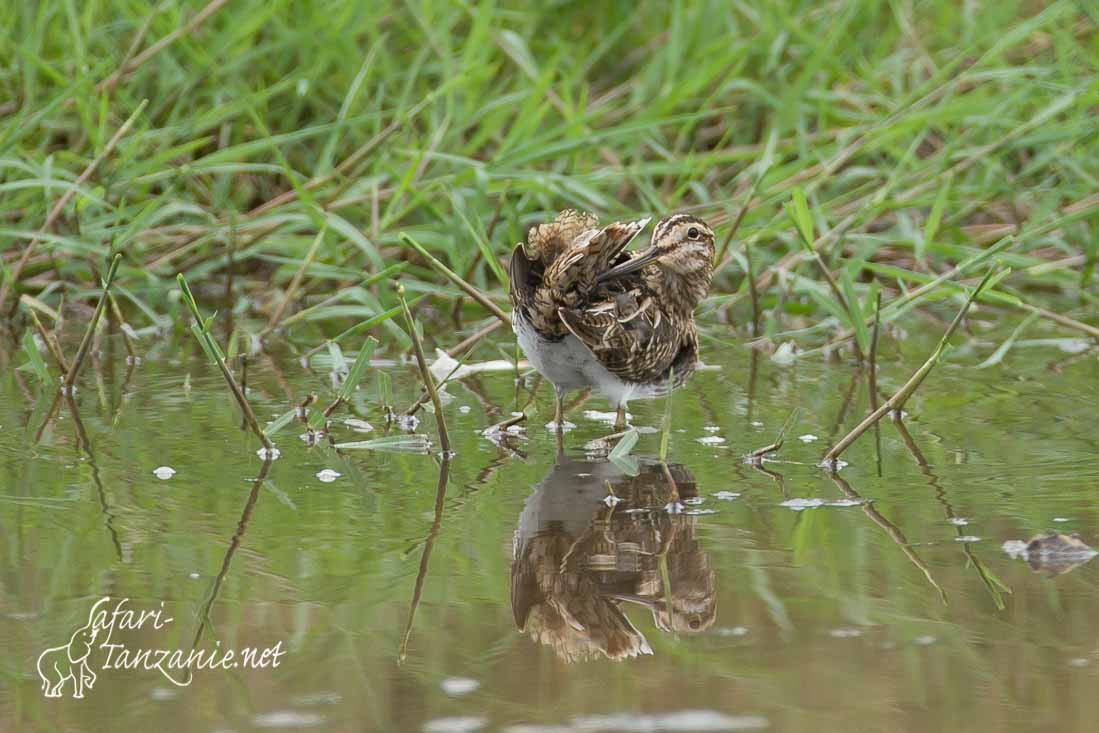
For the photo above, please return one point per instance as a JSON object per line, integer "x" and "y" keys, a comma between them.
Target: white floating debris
{"x": 808, "y": 438}
{"x": 1015, "y": 549}
{"x": 1079, "y": 662}
{"x": 194, "y": 576}
{"x": 757, "y": 424}
{"x": 163, "y": 693}
{"x": 611, "y": 500}
{"x": 646, "y": 429}
{"x": 786, "y": 354}
{"x": 833, "y": 464}
{"x": 164, "y": 472}
{"x": 407, "y": 422}
{"x": 458, "y": 686}
{"x": 967, "y": 538}
{"x": 958, "y": 521}
{"x": 712, "y": 429}
{"x": 673, "y": 507}
{"x": 847, "y": 633}
{"x": 734, "y": 631}
{"x": 694, "y": 501}
{"x": 801, "y": 504}
{"x": 711, "y": 440}
{"x": 845, "y": 502}
{"x": 445, "y": 365}
{"x": 461, "y": 724}
{"x": 565, "y": 427}
{"x": 699, "y": 512}
{"x": 605, "y": 416}
{"x": 359, "y": 426}
{"x": 925, "y": 640}
{"x": 269, "y": 455}
{"x": 327, "y": 475}
{"x": 287, "y": 719}
{"x": 465, "y": 409}
{"x": 726, "y": 495}
{"x": 1061, "y": 520}
{"x": 683, "y": 720}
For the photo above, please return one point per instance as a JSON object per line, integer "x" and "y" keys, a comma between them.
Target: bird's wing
{"x": 545, "y": 242}
{"x": 525, "y": 275}
{"x": 591, "y": 253}
{"x": 632, "y": 336}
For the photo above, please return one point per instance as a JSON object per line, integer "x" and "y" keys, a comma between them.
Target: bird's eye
{"x": 692, "y": 233}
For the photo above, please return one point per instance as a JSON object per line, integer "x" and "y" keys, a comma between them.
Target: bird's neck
{"x": 679, "y": 292}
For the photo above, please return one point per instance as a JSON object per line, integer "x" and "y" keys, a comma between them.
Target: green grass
{"x": 906, "y": 138}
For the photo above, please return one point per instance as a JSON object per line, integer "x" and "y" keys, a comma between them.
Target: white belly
{"x": 571, "y": 365}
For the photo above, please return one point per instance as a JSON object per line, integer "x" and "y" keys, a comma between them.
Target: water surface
{"x": 520, "y": 597}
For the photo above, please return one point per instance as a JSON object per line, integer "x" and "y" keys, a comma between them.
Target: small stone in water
{"x": 458, "y": 686}
{"x": 328, "y": 475}
{"x": 164, "y": 472}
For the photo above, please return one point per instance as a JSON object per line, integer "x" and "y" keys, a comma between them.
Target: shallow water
{"x": 778, "y": 598}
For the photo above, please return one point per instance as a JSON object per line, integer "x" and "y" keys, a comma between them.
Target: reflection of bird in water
{"x": 577, "y": 559}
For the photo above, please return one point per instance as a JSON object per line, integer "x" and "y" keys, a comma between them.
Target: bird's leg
{"x": 559, "y": 408}
{"x": 620, "y": 419}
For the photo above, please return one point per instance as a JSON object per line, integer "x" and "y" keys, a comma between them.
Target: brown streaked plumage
{"x": 588, "y": 314}
{"x": 578, "y": 563}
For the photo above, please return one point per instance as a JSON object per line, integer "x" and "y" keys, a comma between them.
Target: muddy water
{"x": 516, "y": 588}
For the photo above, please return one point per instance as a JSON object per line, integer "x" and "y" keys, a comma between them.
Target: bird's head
{"x": 682, "y": 248}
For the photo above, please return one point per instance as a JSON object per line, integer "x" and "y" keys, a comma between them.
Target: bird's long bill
{"x": 629, "y": 266}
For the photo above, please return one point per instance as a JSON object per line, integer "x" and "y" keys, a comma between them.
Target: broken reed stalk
{"x": 201, "y": 329}
{"x": 752, "y": 290}
{"x": 457, "y": 280}
{"x": 757, "y": 455}
{"x": 422, "y": 399}
{"x": 55, "y": 212}
{"x": 123, "y": 326}
{"x": 425, "y": 373}
{"x": 425, "y": 558}
{"x": 897, "y": 400}
{"x": 51, "y": 343}
{"x": 86, "y": 342}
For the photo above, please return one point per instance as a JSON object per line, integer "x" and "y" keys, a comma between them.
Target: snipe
{"x": 590, "y": 314}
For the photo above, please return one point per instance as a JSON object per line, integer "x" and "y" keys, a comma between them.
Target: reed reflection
{"x": 592, "y": 540}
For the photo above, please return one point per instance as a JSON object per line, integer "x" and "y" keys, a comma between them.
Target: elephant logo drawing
{"x": 69, "y": 662}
